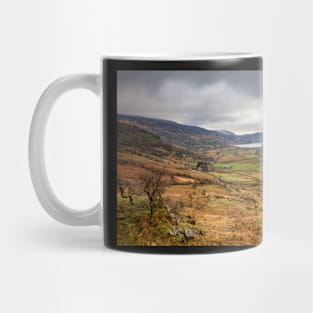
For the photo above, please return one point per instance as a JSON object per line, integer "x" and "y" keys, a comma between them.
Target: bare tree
{"x": 123, "y": 187}
{"x": 153, "y": 185}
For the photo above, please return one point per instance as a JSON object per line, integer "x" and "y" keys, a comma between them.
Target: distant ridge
{"x": 226, "y": 132}
{"x": 193, "y": 138}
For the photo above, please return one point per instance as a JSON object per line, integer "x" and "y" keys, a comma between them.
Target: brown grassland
{"x": 218, "y": 205}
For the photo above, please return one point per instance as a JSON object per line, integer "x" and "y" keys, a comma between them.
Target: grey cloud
{"x": 212, "y": 99}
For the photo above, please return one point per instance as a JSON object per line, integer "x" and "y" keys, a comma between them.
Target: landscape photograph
{"x": 189, "y": 158}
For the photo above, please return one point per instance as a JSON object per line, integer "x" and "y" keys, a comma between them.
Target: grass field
{"x": 240, "y": 166}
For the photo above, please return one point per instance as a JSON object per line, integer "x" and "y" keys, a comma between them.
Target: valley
{"x": 185, "y": 185}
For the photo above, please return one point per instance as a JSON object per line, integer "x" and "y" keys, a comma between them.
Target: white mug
{"x": 182, "y": 153}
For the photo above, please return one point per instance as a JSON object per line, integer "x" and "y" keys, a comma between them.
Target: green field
{"x": 240, "y": 166}
{"x": 231, "y": 177}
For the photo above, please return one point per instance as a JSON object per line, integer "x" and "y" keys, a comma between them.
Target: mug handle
{"x": 49, "y": 201}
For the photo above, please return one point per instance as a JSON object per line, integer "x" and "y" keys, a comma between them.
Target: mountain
{"x": 191, "y": 138}
{"x": 135, "y": 139}
{"x": 250, "y": 138}
{"x": 138, "y": 140}
{"x": 226, "y": 132}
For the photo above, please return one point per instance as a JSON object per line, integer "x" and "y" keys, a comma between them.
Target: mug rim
{"x": 181, "y": 57}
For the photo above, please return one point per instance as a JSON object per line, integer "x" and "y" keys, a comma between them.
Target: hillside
{"x": 138, "y": 140}
{"x": 192, "y": 138}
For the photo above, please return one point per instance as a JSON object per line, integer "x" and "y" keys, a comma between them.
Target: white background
{"x": 49, "y": 267}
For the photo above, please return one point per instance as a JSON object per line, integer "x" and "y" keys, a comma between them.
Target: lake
{"x": 250, "y": 145}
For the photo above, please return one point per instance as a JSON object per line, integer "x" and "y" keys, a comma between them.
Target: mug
{"x": 182, "y": 146}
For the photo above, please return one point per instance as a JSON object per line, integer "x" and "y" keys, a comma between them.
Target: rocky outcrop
{"x": 188, "y": 233}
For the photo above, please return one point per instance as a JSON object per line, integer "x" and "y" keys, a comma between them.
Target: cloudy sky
{"x": 221, "y": 100}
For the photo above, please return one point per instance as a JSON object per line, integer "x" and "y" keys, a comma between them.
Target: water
{"x": 250, "y": 145}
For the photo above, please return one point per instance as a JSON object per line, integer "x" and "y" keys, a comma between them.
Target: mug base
{"x": 180, "y": 249}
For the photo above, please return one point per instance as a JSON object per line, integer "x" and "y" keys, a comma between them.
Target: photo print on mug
{"x": 189, "y": 158}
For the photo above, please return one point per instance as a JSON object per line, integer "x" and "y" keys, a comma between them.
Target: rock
{"x": 175, "y": 231}
{"x": 173, "y": 218}
{"x": 189, "y": 233}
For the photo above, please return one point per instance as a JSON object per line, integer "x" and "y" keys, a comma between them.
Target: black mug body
{"x": 182, "y": 154}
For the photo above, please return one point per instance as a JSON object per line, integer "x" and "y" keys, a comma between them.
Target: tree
{"x": 153, "y": 185}
{"x": 123, "y": 187}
